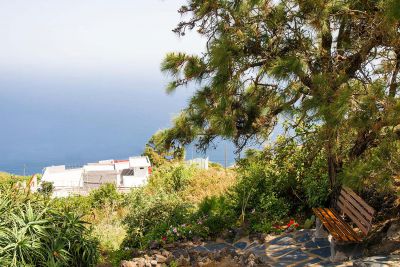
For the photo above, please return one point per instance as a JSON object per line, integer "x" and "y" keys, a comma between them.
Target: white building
{"x": 125, "y": 174}
{"x": 201, "y": 163}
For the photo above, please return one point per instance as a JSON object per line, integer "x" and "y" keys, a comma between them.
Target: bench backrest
{"x": 356, "y": 209}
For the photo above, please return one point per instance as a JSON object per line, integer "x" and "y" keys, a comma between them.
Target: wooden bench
{"x": 354, "y": 207}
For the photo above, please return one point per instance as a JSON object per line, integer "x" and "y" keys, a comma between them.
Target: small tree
{"x": 46, "y": 188}
{"x": 159, "y": 149}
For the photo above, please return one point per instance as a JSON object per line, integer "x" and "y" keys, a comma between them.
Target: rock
{"x": 390, "y": 260}
{"x": 183, "y": 261}
{"x": 251, "y": 257}
{"x": 240, "y": 232}
{"x": 160, "y": 258}
{"x": 153, "y": 263}
{"x": 153, "y": 252}
{"x": 204, "y": 262}
{"x": 166, "y": 253}
{"x": 251, "y": 264}
{"x": 141, "y": 262}
{"x": 128, "y": 264}
{"x": 393, "y": 233}
{"x": 155, "y": 245}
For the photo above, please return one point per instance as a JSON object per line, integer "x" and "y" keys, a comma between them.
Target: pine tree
{"x": 328, "y": 63}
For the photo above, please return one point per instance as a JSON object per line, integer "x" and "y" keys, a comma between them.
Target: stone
{"x": 251, "y": 263}
{"x": 302, "y": 237}
{"x": 216, "y": 246}
{"x": 166, "y": 253}
{"x": 200, "y": 249}
{"x": 389, "y": 260}
{"x": 128, "y": 264}
{"x": 344, "y": 252}
{"x": 309, "y": 262}
{"x": 278, "y": 253}
{"x": 160, "y": 258}
{"x": 393, "y": 233}
{"x": 153, "y": 263}
{"x": 183, "y": 261}
{"x": 294, "y": 256}
{"x": 322, "y": 252}
{"x": 318, "y": 242}
{"x": 155, "y": 245}
{"x": 240, "y": 245}
{"x": 285, "y": 240}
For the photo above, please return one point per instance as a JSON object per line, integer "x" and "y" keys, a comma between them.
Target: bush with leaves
{"x": 171, "y": 177}
{"x": 150, "y": 216}
{"x": 46, "y": 188}
{"x": 216, "y": 214}
{"x": 106, "y": 195}
{"x": 33, "y": 233}
{"x": 278, "y": 182}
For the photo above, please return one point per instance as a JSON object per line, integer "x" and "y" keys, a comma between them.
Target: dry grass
{"x": 4, "y": 176}
{"x": 206, "y": 183}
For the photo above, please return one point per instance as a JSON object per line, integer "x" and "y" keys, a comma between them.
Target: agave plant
{"x": 33, "y": 233}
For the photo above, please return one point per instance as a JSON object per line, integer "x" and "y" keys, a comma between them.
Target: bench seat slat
{"x": 336, "y": 226}
{"x": 326, "y": 223}
{"x": 355, "y": 236}
{"x": 342, "y": 235}
{"x": 343, "y": 226}
{"x": 358, "y": 207}
{"x": 367, "y": 207}
{"x": 352, "y": 216}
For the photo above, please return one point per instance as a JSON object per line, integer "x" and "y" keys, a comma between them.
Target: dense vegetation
{"x": 326, "y": 71}
{"x": 33, "y": 232}
{"x": 264, "y": 191}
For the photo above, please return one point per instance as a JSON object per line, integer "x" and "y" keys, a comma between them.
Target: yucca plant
{"x": 33, "y": 233}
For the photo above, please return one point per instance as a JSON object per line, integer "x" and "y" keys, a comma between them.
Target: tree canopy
{"x": 330, "y": 68}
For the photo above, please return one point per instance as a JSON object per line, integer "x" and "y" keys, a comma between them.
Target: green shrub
{"x": 106, "y": 195}
{"x": 172, "y": 177}
{"x": 79, "y": 204}
{"x": 216, "y": 214}
{"x": 150, "y": 216}
{"x": 34, "y": 233}
{"x": 46, "y": 188}
{"x": 278, "y": 182}
{"x": 178, "y": 178}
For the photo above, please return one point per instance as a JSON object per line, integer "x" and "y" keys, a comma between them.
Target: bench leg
{"x": 320, "y": 230}
{"x": 344, "y": 251}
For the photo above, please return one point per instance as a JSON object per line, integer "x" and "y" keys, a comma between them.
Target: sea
{"x": 74, "y": 120}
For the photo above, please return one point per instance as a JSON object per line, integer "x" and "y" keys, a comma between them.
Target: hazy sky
{"x": 80, "y": 79}
{"x": 89, "y": 37}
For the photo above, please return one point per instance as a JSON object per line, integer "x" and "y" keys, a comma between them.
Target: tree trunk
{"x": 332, "y": 157}
{"x": 332, "y": 165}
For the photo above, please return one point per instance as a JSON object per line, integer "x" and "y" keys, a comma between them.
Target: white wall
{"x": 119, "y": 166}
{"x": 139, "y": 162}
{"x": 66, "y": 178}
{"x": 98, "y": 167}
{"x": 141, "y": 171}
{"x": 133, "y": 181}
